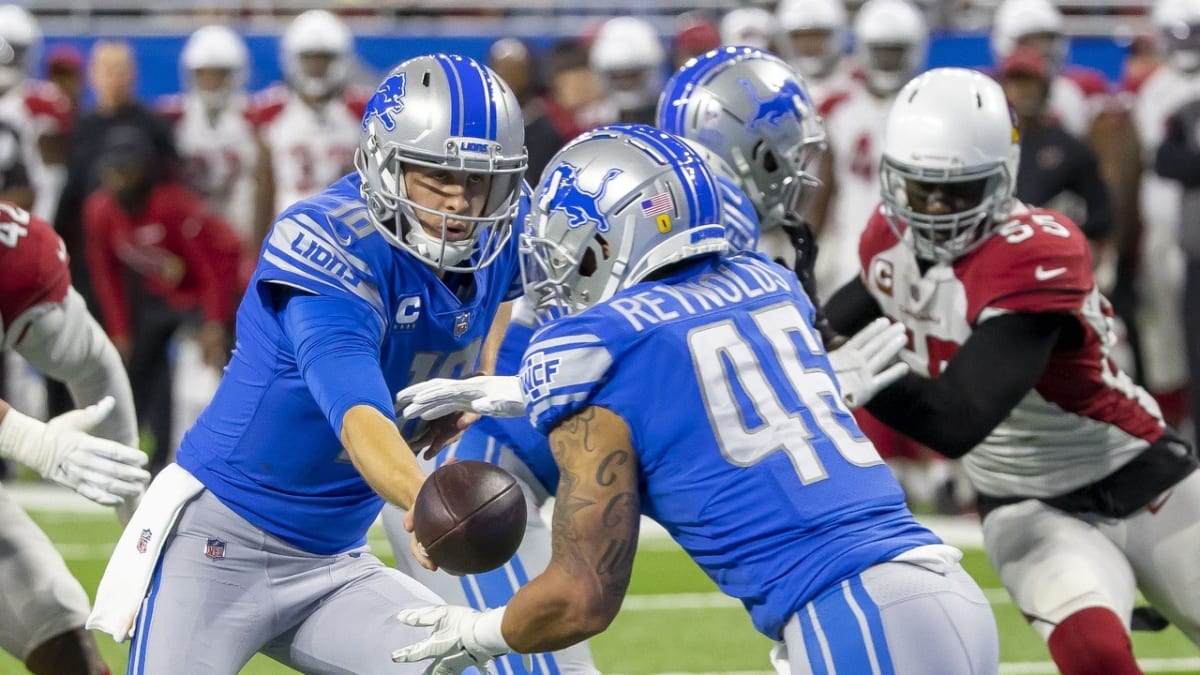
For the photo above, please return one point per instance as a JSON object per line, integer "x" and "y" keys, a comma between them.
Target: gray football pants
{"x": 919, "y": 617}
{"x": 224, "y": 589}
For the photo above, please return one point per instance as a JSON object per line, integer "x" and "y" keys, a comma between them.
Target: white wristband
{"x": 22, "y": 439}
{"x": 487, "y": 632}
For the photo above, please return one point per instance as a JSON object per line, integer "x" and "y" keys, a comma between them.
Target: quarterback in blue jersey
{"x": 776, "y": 494}
{"x": 390, "y": 276}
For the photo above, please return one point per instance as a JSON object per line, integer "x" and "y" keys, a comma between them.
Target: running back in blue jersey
{"x": 264, "y": 446}
{"x": 741, "y": 231}
{"x": 779, "y": 495}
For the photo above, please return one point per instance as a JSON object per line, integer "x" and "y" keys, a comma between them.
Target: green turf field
{"x": 673, "y": 621}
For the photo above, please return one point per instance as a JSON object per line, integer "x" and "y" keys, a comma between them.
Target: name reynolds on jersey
{"x": 728, "y": 285}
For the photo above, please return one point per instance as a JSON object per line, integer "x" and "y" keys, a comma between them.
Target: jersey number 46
{"x": 787, "y": 401}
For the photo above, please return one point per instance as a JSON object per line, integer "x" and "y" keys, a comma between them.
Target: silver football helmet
{"x": 451, "y": 112}
{"x": 615, "y": 205}
{"x": 755, "y": 112}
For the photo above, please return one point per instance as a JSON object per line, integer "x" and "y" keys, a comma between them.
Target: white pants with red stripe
{"x": 1054, "y": 563}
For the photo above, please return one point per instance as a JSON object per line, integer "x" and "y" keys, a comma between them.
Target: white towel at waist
{"x": 127, "y": 577}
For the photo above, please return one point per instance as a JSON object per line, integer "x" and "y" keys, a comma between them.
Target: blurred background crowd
{"x": 160, "y": 140}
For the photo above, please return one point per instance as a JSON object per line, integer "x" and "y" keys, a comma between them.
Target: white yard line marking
{"x": 1172, "y": 665}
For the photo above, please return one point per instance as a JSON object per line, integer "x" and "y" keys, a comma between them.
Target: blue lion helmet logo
{"x": 778, "y": 105}
{"x": 579, "y": 205}
{"x": 387, "y": 100}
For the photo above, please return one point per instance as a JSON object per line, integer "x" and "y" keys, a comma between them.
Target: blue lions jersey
{"x": 531, "y": 447}
{"x": 746, "y": 453}
{"x": 264, "y": 445}
{"x": 741, "y": 220}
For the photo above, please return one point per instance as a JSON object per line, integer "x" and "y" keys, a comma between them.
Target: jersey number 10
{"x": 788, "y": 402}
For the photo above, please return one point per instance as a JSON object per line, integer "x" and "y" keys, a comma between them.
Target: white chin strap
{"x": 431, "y": 249}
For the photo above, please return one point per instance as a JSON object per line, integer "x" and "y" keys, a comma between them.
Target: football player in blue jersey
{"x": 772, "y": 160}
{"x": 390, "y": 276}
{"x": 651, "y": 328}
{"x": 749, "y": 108}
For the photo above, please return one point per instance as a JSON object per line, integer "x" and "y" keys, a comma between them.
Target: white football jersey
{"x": 854, "y": 126}
{"x": 836, "y": 84}
{"x": 219, "y": 155}
{"x": 310, "y": 148}
{"x": 1161, "y": 94}
{"x": 1069, "y": 105}
{"x": 34, "y": 108}
{"x": 1085, "y": 417}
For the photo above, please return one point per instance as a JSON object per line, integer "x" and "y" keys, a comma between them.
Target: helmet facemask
{"x": 1182, "y": 42}
{"x": 979, "y": 198}
{"x": 890, "y": 65}
{"x": 814, "y": 51}
{"x": 566, "y": 270}
{"x": 399, "y": 217}
{"x": 778, "y": 175}
{"x": 216, "y": 97}
{"x": 13, "y": 63}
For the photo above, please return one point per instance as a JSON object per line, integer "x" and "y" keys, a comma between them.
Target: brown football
{"x": 470, "y": 517}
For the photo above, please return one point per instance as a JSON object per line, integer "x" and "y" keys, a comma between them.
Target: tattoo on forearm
{"x": 620, "y": 508}
{"x": 617, "y": 523}
{"x": 606, "y": 477}
{"x": 564, "y": 540}
{"x": 581, "y": 425}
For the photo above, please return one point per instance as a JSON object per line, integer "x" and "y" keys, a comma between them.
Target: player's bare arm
{"x": 491, "y": 346}
{"x": 264, "y": 192}
{"x": 381, "y": 455}
{"x": 595, "y": 532}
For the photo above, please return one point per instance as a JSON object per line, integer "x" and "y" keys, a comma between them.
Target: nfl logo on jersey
{"x": 215, "y": 549}
{"x": 460, "y": 324}
{"x": 143, "y": 541}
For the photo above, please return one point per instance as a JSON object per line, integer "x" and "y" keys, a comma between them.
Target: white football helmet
{"x": 892, "y": 41}
{"x": 822, "y": 18}
{"x": 219, "y": 48}
{"x": 747, "y": 26}
{"x": 950, "y": 138}
{"x": 629, "y": 57}
{"x": 1016, "y": 20}
{"x": 1178, "y": 26}
{"x": 317, "y": 32}
{"x": 22, "y": 35}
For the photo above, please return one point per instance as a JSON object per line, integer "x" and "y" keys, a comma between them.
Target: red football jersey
{"x": 1085, "y": 416}
{"x": 33, "y": 270}
{"x": 180, "y": 252}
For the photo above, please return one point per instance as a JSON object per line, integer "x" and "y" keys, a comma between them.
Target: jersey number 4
{"x": 14, "y": 224}
{"x": 787, "y": 402}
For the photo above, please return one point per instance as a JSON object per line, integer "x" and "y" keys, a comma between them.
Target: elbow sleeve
{"x": 66, "y": 343}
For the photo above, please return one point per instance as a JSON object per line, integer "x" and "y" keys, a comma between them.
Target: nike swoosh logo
{"x": 1156, "y": 505}
{"x": 1043, "y": 274}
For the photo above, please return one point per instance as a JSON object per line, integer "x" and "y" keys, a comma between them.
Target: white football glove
{"x": 868, "y": 362}
{"x": 104, "y": 471}
{"x": 462, "y": 637}
{"x": 491, "y": 395}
